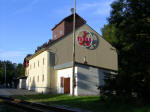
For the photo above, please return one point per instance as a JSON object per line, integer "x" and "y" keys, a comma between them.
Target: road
{"x": 10, "y": 92}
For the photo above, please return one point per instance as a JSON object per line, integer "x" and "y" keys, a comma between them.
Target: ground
{"x": 90, "y": 103}
{"x": 10, "y": 92}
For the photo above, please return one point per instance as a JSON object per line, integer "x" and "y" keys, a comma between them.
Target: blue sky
{"x": 26, "y": 24}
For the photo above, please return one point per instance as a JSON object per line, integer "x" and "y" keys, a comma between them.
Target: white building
{"x": 50, "y": 68}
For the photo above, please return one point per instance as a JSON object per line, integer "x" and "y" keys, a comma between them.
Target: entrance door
{"x": 66, "y": 85}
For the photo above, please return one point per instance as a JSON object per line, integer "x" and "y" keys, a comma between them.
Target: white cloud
{"x": 96, "y": 8}
{"x": 99, "y": 8}
{"x": 7, "y": 54}
{"x": 87, "y": 6}
{"x": 12, "y": 55}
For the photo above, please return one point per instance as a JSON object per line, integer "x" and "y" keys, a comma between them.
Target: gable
{"x": 104, "y": 55}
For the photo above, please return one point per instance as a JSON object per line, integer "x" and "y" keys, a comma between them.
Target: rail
{"x": 29, "y": 106}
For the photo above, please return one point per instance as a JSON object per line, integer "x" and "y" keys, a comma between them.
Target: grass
{"x": 93, "y": 103}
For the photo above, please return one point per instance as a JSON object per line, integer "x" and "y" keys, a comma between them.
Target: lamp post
{"x": 73, "y": 54}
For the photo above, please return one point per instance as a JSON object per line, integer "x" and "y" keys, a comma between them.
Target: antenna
{"x": 72, "y": 10}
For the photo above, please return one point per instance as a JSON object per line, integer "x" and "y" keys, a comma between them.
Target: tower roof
{"x": 68, "y": 19}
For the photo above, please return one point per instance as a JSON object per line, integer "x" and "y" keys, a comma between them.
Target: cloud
{"x": 87, "y": 6}
{"x": 96, "y": 8}
{"x": 92, "y": 8}
{"x": 15, "y": 56}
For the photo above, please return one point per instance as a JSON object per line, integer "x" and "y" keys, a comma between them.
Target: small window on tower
{"x": 60, "y": 32}
{"x": 55, "y": 36}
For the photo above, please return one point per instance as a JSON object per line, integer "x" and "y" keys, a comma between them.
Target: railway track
{"x": 29, "y": 106}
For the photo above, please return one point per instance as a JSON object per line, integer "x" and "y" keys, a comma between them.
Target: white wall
{"x": 22, "y": 83}
{"x": 38, "y": 72}
{"x": 66, "y": 73}
{"x": 88, "y": 79}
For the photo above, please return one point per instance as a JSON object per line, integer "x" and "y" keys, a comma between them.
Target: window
{"x": 43, "y": 61}
{"x": 33, "y": 78}
{"x": 43, "y": 78}
{"x": 38, "y": 63}
{"x": 38, "y": 78}
{"x": 30, "y": 79}
{"x": 34, "y": 64}
{"x": 55, "y": 36}
{"x": 52, "y": 59}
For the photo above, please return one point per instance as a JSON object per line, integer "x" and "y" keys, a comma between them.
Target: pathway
{"x": 9, "y": 92}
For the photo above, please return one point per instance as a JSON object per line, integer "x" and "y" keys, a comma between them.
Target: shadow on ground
{"x": 93, "y": 103}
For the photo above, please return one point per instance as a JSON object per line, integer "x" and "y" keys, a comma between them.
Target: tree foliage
{"x": 12, "y": 71}
{"x": 129, "y": 31}
{"x": 109, "y": 34}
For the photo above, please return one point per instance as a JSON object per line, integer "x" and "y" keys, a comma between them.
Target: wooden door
{"x": 66, "y": 85}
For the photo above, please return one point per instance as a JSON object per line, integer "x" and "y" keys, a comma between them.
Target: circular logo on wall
{"x": 84, "y": 38}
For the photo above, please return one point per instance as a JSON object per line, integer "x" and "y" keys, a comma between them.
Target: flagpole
{"x": 73, "y": 54}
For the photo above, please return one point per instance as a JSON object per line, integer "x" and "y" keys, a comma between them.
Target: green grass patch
{"x": 93, "y": 103}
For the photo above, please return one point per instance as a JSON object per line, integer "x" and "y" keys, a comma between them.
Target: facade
{"x": 50, "y": 68}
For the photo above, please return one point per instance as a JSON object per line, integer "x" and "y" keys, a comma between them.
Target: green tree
{"x": 131, "y": 22}
{"x": 20, "y": 70}
{"x": 12, "y": 71}
{"x": 108, "y": 32}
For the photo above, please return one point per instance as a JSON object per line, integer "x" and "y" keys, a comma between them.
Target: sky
{"x": 26, "y": 24}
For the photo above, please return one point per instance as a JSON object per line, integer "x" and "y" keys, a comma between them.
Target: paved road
{"x": 9, "y": 92}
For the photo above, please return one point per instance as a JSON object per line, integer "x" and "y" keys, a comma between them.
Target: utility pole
{"x": 73, "y": 54}
{"x": 5, "y": 73}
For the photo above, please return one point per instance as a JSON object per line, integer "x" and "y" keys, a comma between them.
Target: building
{"x": 49, "y": 69}
{"x": 22, "y": 82}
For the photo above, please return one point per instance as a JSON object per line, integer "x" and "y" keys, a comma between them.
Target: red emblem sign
{"x": 84, "y": 38}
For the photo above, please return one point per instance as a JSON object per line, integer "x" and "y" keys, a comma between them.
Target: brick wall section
{"x": 69, "y": 25}
{"x": 66, "y": 26}
{"x": 57, "y": 30}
